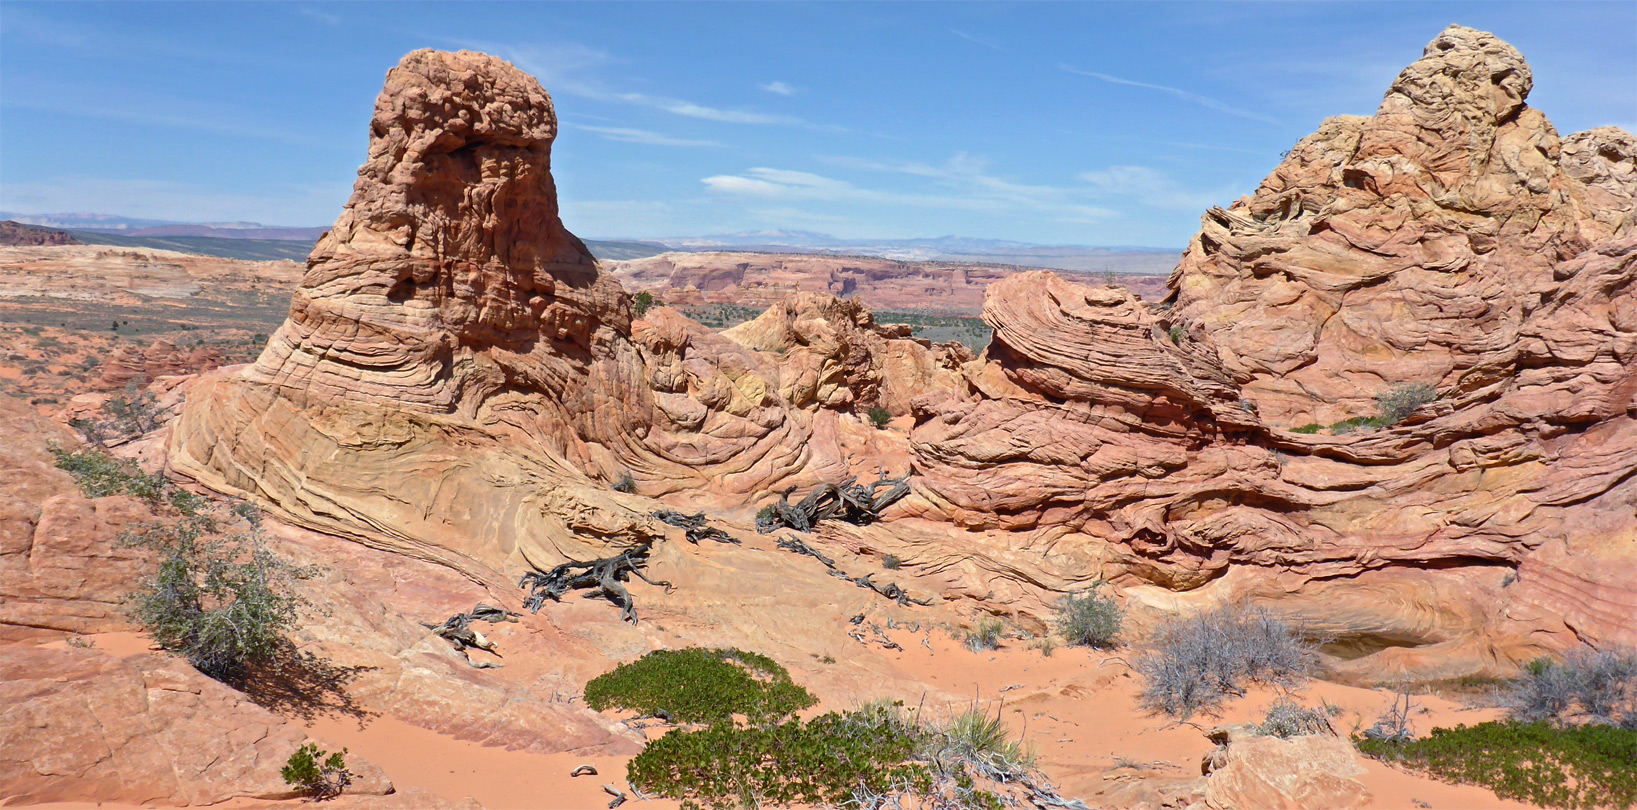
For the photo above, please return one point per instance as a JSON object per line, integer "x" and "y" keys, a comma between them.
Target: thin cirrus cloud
{"x": 1153, "y": 188}
{"x": 779, "y": 88}
{"x": 643, "y": 136}
{"x": 973, "y": 38}
{"x": 975, "y": 190}
{"x": 1195, "y": 98}
{"x": 578, "y": 71}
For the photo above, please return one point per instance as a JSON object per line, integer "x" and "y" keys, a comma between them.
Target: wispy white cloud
{"x": 990, "y": 44}
{"x": 578, "y": 71}
{"x": 1195, "y": 98}
{"x": 307, "y": 205}
{"x": 961, "y": 184}
{"x": 1153, "y": 188}
{"x": 642, "y": 136}
{"x": 223, "y": 124}
{"x": 692, "y": 110}
{"x": 321, "y": 16}
{"x": 778, "y": 87}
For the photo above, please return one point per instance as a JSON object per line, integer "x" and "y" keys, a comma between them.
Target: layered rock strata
{"x": 1451, "y": 240}
{"x": 459, "y": 381}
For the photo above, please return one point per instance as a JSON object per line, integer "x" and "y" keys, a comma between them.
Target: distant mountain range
{"x": 128, "y": 226}
{"x": 1082, "y": 258}
{"x": 257, "y": 241}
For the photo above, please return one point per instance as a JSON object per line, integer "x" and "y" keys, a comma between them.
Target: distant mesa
{"x": 17, "y": 234}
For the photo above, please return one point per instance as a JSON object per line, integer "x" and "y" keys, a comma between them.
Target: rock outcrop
{"x": 832, "y": 354}
{"x": 1452, "y": 240}
{"x": 84, "y": 725}
{"x": 128, "y": 364}
{"x": 459, "y": 381}
{"x": 17, "y": 234}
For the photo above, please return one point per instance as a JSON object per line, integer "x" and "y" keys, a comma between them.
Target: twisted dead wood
{"x": 603, "y": 577}
{"x": 695, "y": 527}
{"x": 849, "y": 501}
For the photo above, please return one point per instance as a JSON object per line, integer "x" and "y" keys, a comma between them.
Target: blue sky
{"x": 1084, "y": 123}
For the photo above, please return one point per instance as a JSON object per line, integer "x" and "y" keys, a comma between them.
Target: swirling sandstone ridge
{"x": 1452, "y": 239}
{"x": 459, "y": 381}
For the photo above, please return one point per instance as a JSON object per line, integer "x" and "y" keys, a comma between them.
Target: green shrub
{"x": 1310, "y": 428}
{"x": 223, "y": 602}
{"x": 986, "y": 636}
{"x": 1090, "y": 619}
{"x": 1398, "y": 402}
{"x": 879, "y": 416}
{"x": 1575, "y": 767}
{"x": 319, "y": 773}
{"x": 1175, "y": 333}
{"x": 696, "y": 685}
{"x": 642, "y": 302}
{"x": 625, "y": 484}
{"x": 819, "y": 763}
{"x": 891, "y": 562}
{"x": 99, "y": 474}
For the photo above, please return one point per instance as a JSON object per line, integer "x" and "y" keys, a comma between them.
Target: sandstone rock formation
{"x": 1299, "y": 773}
{"x": 129, "y": 364}
{"x": 459, "y": 381}
{"x": 832, "y": 354}
{"x": 1452, "y": 239}
{"x": 86, "y": 725}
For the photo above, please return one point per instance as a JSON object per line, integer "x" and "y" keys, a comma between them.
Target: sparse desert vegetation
{"x": 1192, "y": 664}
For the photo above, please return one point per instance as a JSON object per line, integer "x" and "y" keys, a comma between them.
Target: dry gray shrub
{"x": 1587, "y": 686}
{"x": 1194, "y": 663}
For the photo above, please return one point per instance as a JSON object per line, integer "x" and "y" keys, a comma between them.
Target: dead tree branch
{"x": 695, "y": 527}
{"x": 849, "y": 501}
{"x": 603, "y": 577}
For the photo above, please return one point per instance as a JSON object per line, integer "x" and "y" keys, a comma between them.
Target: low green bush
{"x": 1090, "y": 619}
{"x": 1572, "y": 767}
{"x": 1310, "y": 428}
{"x": 820, "y": 762}
{"x": 696, "y": 685}
{"x": 319, "y": 773}
{"x": 879, "y": 416}
{"x": 100, "y": 474}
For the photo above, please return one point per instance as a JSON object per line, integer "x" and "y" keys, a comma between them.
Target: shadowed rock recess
{"x": 459, "y": 381}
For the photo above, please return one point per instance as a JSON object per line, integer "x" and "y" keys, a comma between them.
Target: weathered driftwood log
{"x": 695, "y": 527}
{"x": 890, "y": 590}
{"x": 457, "y": 630}
{"x": 603, "y": 577}
{"x": 850, "y": 501}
